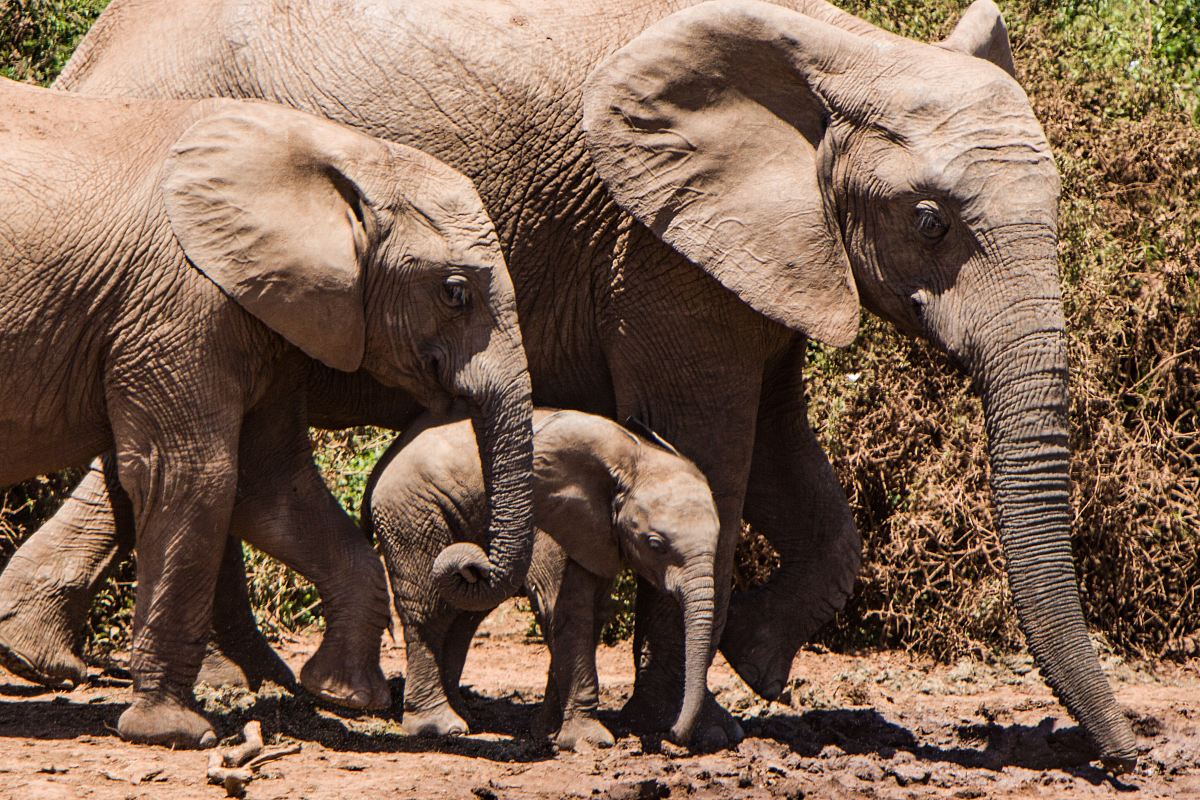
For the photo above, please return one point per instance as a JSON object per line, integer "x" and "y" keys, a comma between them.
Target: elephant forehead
{"x": 675, "y": 496}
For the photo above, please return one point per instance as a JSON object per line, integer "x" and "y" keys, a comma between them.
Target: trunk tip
{"x": 467, "y": 579}
{"x": 1119, "y": 764}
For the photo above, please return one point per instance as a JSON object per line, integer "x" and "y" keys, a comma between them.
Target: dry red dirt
{"x": 883, "y": 725}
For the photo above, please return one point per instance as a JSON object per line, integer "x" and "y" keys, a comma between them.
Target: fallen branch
{"x": 236, "y": 768}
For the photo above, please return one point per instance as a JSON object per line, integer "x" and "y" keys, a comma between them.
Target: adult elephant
{"x": 685, "y": 193}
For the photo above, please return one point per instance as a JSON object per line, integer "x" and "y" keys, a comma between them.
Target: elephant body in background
{"x": 684, "y": 193}
{"x": 603, "y": 498}
{"x": 162, "y": 300}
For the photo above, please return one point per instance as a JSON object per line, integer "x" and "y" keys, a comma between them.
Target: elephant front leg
{"x": 565, "y": 595}
{"x": 181, "y": 485}
{"x": 692, "y": 371}
{"x": 287, "y": 511}
{"x": 47, "y": 587}
{"x": 794, "y": 499}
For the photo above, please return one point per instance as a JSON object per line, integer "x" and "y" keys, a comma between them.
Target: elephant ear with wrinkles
{"x": 271, "y": 205}
{"x": 708, "y": 128}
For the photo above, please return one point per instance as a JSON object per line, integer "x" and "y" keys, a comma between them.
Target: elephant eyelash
{"x": 931, "y": 220}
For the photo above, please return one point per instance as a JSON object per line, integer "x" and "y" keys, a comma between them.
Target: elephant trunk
{"x": 694, "y": 589}
{"x": 502, "y": 416}
{"x": 1023, "y": 380}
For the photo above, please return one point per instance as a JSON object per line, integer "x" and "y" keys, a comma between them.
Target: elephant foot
{"x": 442, "y": 720}
{"x": 582, "y": 733}
{"x": 219, "y": 671}
{"x": 335, "y": 678}
{"x": 166, "y": 722}
{"x": 716, "y": 729}
{"x": 244, "y": 667}
{"x": 39, "y": 653}
{"x": 757, "y": 652}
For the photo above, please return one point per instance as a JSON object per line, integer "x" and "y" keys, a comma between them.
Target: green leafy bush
{"x": 37, "y": 36}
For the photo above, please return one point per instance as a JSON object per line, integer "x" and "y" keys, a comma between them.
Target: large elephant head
{"x": 367, "y": 254}
{"x": 809, "y": 161}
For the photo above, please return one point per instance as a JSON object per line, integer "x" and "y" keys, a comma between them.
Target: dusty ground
{"x": 879, "y": 726}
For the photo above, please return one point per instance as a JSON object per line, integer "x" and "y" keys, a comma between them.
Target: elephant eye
{"x": 456, "y": 292}
{"x": 931, "y": 220}
{"x": 656, "y": 543}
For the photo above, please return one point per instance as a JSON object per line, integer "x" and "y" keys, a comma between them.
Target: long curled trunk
{"x": 502, "y": 417}
{"x": 1023, "y": 381}
{"x": 694, "y": 590}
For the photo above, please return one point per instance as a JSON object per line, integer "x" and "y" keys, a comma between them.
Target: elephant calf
{"x": 603, "y": 497}
{"x": 167, "y": 269}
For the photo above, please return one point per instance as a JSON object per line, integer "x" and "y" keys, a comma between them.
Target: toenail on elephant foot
{"x": 583, "y": 733}
{"x": 440, "y": 721}
{"x": 165, "y": 722}
{"x": 716, "y": 730}
{"x": 359, "y": 688}
{"x": 61, "y": 670}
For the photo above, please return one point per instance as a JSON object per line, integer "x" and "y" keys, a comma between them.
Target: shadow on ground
{"x": 991, "y": 746}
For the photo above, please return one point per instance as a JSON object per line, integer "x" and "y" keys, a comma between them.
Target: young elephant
{"x": 166, "y": 270}
{"x": 602, "y": 497}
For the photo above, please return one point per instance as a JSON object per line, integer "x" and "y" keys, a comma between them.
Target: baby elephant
{"x": 167, "y": 271}
{"x": 603, "y": 497}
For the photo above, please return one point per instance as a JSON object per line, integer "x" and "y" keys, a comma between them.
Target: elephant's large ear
{"x": 981, "y": 33}
{"x": 708, "y": 127}
{"x": 265, "y": 202}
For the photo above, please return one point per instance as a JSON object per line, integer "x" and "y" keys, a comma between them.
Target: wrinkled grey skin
{"x": 791, "y": 152}
{"x": 603, "y": 498}
{"x": 162, "y": 294}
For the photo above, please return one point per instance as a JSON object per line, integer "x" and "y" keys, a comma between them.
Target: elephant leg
{"x": 179, "y": 468}
{"x": 47, "y": 586}
{"x": 428, "y": 710}
{"x": 563, "y": 595}
{"x": 572, "y": 617}
{"x": 692, "y": 371}
{"x": 238, "y": 654}
{"x": 455, "y": 647}
{"x": 287, "y": 511}
{"x": 794, "y": 499}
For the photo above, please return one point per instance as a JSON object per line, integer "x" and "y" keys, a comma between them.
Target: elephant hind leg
{"x": 428, "y": 709}
{"x": 47, "y": 586}
{"x": 564, "y": 595}
{"x": 239, "y": 654}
